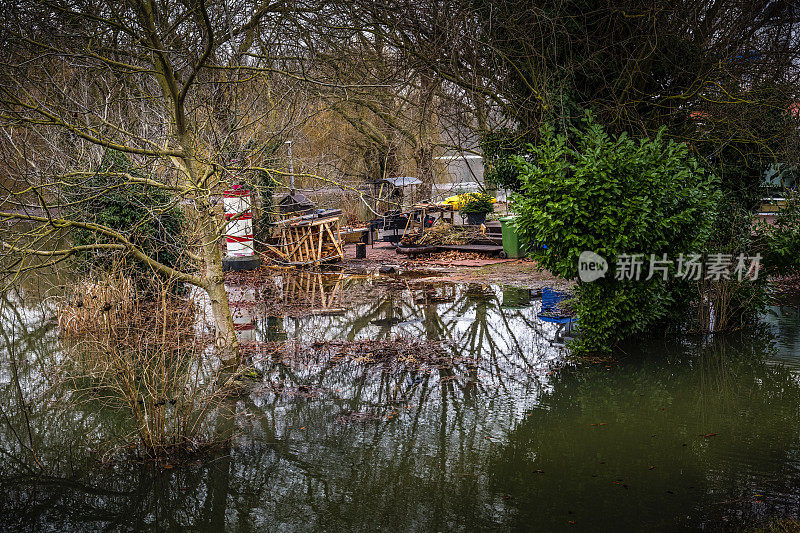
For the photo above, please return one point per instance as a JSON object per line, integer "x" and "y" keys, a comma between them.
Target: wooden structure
{"x": 359, "y": 234}
{"x": 311, "y": 239}
{"x": 424, "y": 215}
{"x": 420, "y": 214}
{"x": 474, "y": 248}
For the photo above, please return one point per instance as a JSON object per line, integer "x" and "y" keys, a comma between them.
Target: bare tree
{"x": 167, "y": 85}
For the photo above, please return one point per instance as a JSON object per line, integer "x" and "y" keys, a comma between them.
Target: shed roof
{"x": 295, "y": 198}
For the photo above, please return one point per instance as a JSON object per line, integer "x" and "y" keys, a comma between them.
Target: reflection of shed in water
{"x": 433, "y": 294}
{"x": 321, "y": 293}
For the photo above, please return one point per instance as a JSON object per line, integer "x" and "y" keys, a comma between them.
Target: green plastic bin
{"x": 511, "y": 243}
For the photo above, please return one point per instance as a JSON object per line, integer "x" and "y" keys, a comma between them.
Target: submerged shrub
{"x": 146, "y": 362}
{"x": 613, "y": 196}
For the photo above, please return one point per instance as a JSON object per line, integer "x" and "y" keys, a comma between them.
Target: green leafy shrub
{"x": 613, "y": 196}
{"x": 728, "y": 304}
{"x": 148, "y": 216}
{"x": 780, "y": 242}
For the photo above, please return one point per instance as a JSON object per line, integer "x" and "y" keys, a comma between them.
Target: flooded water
{"x": 690, "y": 434}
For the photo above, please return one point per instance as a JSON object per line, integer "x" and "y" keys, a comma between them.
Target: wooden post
{"x": 319, "y": 247}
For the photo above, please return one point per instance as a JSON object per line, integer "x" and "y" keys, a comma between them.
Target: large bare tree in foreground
{"x": 158, "y": 84}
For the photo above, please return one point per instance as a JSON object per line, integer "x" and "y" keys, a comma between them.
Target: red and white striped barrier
{"x": 239, "y": 229}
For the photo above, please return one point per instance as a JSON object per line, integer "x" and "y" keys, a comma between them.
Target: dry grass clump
{"x": 94, "y": 304}
{"x": 787, "y": 524}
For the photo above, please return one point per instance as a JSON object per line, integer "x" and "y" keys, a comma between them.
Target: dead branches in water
{"x": 394, "y": 352}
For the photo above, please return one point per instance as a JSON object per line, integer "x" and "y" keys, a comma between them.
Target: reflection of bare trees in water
{"x": 20, "y": 340}
{"x": 480, "y": 329}
{"x": 433, "y": 421}
{"x": 443, "y": 439}
{"x": 492, "y": 353}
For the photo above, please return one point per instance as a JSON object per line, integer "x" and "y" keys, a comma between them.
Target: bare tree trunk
{"x": 424, "y": 160}
{"x": 227, "y": 343}
{"x": 424, "y": 150}
{"x": 214, "y": 278}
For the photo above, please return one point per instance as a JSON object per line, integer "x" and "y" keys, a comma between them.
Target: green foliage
{"x": 735, "y": 302}
{"x": 613, "y": 196}
{"x": 780, "y": 242}
{"x": 498, "y": 149}
{"x": 477, "y": 203}
{"x": 148, "y": 216}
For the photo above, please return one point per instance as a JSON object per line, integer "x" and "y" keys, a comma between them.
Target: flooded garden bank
{"x": 409, "y": 403}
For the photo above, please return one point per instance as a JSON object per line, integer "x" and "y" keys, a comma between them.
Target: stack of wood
{"x": 311, "y": 239}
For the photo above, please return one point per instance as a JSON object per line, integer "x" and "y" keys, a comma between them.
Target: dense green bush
{"x": 613, "y": 196}
{"x": 780, "y": 242}
{"x": 148, "y": 216}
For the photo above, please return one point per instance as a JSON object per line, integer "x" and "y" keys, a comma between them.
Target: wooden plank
{"x": 336, "y": 244}
{"x": 301, "y": 238}
{"x": 355, "y": 230}
{"x": 336, "y": 292}
{"x": 298, "y": 245}
{"x": 306, "y": 247}
{"x": 299, "y": 242}
{"x": 291, "y": 245}
{"x": 276, "y": 251}
{"x": 319, "y": 247}
{"x": 322, "y": 290}
{"x": 481, "y": 248}
{"x": 306, "y": 219}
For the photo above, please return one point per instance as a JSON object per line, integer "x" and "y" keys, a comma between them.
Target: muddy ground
{"x": 450, "y": 267}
